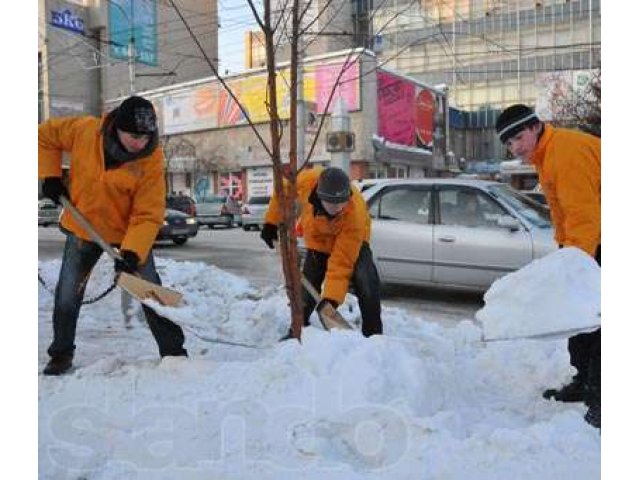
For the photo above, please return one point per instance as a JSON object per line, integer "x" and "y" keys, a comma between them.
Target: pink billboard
{"x": 405, "y": 111}
{"x": 349, "y": 87}
{"x": 396, "y": 116}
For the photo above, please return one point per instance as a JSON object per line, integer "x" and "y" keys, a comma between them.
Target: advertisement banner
{"x": 190, "y": 110}
{"x": 211, "y": 106}
{"x": 348, "y": 88}
{"x": 127, "y": 18}
{"x": 424, "y": 118}
{"x": 396, "y": 119}
{"x": 406, "y": 112}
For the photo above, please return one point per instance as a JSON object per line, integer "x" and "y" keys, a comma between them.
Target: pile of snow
{"x": 557, "y": 294}
{"x": 422, "y": 401}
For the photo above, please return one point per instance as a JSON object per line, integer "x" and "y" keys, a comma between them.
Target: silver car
{"x": 48, "y": 212}
{"x": 455, "y": 233}
{"x": 253, "y": 212}
{"x": 216, "y": 210}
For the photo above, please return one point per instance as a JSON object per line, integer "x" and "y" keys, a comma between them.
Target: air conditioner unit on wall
{"x": 341, "y": 141}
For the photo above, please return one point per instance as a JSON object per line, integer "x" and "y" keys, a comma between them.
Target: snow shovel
{"x": 329, "y": 316}
{"x": 137, "y": 287}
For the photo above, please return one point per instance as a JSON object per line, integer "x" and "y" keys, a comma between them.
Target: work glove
{"x": 128, "y": 263}
{"x": 53, "y": 188}
{"x": 269, "y": 233}
{"x": 324, "y": 302}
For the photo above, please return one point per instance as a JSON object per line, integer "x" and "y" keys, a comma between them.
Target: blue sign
{"x": 68, "y": 20}
{"x": 129, "y": 18}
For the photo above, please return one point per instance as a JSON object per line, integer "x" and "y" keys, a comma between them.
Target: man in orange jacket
{"x": 116, "y": 180}
{"x": 568, "y": 166}
{"x": 336, "y": 228}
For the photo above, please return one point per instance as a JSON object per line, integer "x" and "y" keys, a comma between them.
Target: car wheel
{"x": 246, "y": 228}
{"x": 211, "y": 226}
{"x": 180, "y": 240}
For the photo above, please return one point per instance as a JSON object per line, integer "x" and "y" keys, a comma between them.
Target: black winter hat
{"x": 513, "y": 120}
{"x": 334, "y": 186}
{"x": 136, "y": 115}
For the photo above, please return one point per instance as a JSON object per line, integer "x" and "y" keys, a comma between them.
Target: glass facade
{"x": 491, "y": 53}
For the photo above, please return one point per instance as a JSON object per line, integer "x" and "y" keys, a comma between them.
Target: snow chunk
{"x": 557, "y": 293}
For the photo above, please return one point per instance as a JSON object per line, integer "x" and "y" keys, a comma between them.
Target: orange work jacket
{"x": 125, "y": 205}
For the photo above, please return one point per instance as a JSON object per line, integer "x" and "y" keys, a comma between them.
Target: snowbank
{"x": 422, "y": 401}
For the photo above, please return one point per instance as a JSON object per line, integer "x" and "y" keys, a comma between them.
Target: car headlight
{"x": 165, "y": 223}
{"x": 191, "y": 221}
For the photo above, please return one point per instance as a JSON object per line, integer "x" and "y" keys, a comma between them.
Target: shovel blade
{"x": 331, "y": 318}
{"x": 144, "y": 290}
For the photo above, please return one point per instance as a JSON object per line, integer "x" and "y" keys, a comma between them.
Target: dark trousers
{"x": 584, "y": 355}
{"x": 365, "y": 281}
{"x": 78, "y": 260}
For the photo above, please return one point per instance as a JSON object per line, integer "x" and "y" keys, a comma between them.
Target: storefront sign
{"x": 68, "y": 20}
{"x": 259, "y": 182}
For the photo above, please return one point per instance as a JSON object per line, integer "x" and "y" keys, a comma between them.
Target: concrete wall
{"x": 70, "y": 79}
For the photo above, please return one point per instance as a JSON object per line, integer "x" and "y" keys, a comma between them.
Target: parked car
{"x": 535, "y": 196}
{"x": 215, "y": 210}
{"x": 182, "y": 203}
{"x": 178, "y": 227}
{"x": 48, "y": 212}
{"x": 253, "y": 213}
{"x": 454, "y": 233}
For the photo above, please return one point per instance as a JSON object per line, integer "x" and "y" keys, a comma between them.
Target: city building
{"x": 489, "y": 53}
{"x": 93, "y": 50}
{"x": 396, "y": 126}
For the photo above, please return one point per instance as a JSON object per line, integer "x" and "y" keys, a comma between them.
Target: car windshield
{"x": 529, "y": 209}
{"x": 258, "y": 200}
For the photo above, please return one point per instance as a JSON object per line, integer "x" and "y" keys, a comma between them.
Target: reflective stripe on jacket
{"x": 568, "y": 166}
{"x": 340, "y": 237}
{"x": 125, "y": 205}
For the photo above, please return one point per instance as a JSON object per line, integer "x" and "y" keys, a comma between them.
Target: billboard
{"x": 210, "y": 105}
{"x": 128, "y": 17}
{"x": 406, "y": 111}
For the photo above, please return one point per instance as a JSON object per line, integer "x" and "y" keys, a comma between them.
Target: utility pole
{"x": 131, "y": 59}
{"x": 131, "y": 54}
{"x": 300, "y": 134}
{"x": 341, "y": 137}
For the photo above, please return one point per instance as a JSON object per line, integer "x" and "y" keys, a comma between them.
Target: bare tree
{"x": 580, "y": 107}
{"x": 287, "y": 22}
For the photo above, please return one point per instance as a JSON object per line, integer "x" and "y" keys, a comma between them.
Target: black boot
{"x": 592, "y": 417}
{"x": 572, "y": 392}
{"x": 592, "y": 389}
{"x": 58, "y": 365}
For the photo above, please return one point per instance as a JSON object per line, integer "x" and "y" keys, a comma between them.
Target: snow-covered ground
{"x": 421, "y": 402}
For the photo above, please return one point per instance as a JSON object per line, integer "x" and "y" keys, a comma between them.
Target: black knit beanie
{"x": 513, "y": 120}
{"x": 136, "y": 115}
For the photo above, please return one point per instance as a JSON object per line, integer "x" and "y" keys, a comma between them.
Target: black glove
{"x": 52, "y": 188}
{"x": 322, "y": 303}
{"x": 269, "y": 233}
{"x": 128, "y": 263}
